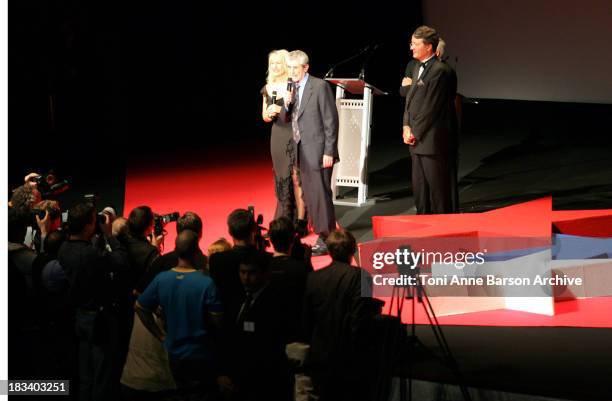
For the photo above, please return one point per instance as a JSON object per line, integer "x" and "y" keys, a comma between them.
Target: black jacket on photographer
{"x": 141, "y": 255}
{"x": 90, "y": 269}
{"x": 224, "y": 269}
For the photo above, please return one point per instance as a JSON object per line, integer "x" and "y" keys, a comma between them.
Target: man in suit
{"x": 336, "y": 318}
{"x": 288, "y": 273}
{"x": 430, "y": 125}
{"x": 314, "y": 117}
{"x": 255, "y": 348}
{"x": 224, "y": 266}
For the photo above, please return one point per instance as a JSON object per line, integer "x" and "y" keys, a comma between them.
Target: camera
{"x": 107, "y": 211}
{"x": 42, "y": 208}
{"x": 100, "y": 216}
{"x": 161, "y": 220}
{"x": 49, "y": 185}
{"x": 261, "y": 243}
{"x": 53, "y": 213}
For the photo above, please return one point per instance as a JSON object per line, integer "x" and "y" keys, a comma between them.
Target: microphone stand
{"x": 371, "y": 52}
{"x": 330, "y": 73}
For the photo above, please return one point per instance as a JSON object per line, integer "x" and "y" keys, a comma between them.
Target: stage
{"x": 502, "y": 163}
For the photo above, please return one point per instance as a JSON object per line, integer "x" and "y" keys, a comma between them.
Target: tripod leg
{"x": 441, "y": 340}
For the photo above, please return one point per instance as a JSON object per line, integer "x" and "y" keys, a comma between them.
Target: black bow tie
{"x": 423, "y": 65}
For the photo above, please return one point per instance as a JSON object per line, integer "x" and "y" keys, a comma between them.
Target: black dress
{"x": 282, "y": 149}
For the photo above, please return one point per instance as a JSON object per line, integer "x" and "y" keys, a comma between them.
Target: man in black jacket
{"x": 188, "y": 221}
{"x": 142, "y": 245}
{"x": 430, "y": 126}
{"x": 258, "y": 364}
{"x": 288, "y": 273}
{"x": 89, "y": 269}
{"x": 224, "y": 266}
{"x": 335, "y": 318}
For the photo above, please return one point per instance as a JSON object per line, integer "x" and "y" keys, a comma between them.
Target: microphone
{"x": 289, "y": 84}
{"x": 330, "y": 72}
{"x": 273, "y": 97}
{"x": 370, "y": 50}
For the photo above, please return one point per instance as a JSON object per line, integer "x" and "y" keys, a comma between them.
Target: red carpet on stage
{"x": 212, "y": 184}
{"x": 216, "y": 181}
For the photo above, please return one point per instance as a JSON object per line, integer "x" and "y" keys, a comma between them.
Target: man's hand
{"x": 328, "y": 161}
{"x": 409, "y": 138}
{"x": 107, "y": 226}
{"x": 28, "y": 177}
{"x": 43, "y": 224}
{"x": 288, "y": 98}
{"x": 407, "y": 81}
{"x": 148, "y": 320}
{"x": 156, "y": 241}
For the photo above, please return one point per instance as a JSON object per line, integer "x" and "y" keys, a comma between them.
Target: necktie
{"x": 244, "y": 311}
{"x": 294, "y": 115}
{"x": 421, "y": 69}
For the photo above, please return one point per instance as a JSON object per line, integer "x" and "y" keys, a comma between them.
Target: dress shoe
{"x": 319, "y": 248}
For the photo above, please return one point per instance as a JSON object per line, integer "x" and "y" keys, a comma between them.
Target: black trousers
{"x": 195, "y": 379}
{"x": 431, "y": 184}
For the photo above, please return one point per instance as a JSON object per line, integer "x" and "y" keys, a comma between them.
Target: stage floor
{"x": 498, "y": 167}
{"x": 501, "y": 164}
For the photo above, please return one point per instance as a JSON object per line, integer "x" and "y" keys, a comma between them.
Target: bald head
{"x": 186, "y": 245}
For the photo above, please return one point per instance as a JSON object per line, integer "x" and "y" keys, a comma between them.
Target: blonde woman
{"x": 282, "y": 147}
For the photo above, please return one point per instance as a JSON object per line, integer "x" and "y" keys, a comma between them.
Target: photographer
{"x": 20, "y": 255}
{"x": 336, "y": 320}
{"x": 142, "y": 244}
{"x": 288, "y": 273}
{"x": 22, "y": 201}
{"x": 47, "y": 216}
{"x": 20, "y": 296}
{"x": 188, "y": 221}
{"x": 89, "y": 270}
{"x": 53, "y": 309}
{"x": 224, "y": 266}
{"x": 24, "y": 197}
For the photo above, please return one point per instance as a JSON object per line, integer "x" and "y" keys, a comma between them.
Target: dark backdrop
{"x": 93, "y": 83}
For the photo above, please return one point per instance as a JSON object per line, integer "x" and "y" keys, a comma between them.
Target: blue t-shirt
{"x": 186, "y": 299}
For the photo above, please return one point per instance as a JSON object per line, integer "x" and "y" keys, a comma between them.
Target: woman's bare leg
{"x": 297, "y": 191}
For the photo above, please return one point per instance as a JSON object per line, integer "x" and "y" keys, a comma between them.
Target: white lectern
{"x": 355, "y": 118}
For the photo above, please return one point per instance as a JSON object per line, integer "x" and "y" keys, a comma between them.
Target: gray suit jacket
{"x": 318, "y": 123}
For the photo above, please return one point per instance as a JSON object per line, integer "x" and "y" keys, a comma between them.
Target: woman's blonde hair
{"x": 220, "y": 245}
{"x": 282, "y": 53}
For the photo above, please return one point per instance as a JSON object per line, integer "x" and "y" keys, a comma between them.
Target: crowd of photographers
{"x": 91, "y": 299}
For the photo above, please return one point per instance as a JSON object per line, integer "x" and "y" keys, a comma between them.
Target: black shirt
{"x": 90, "y": 270}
